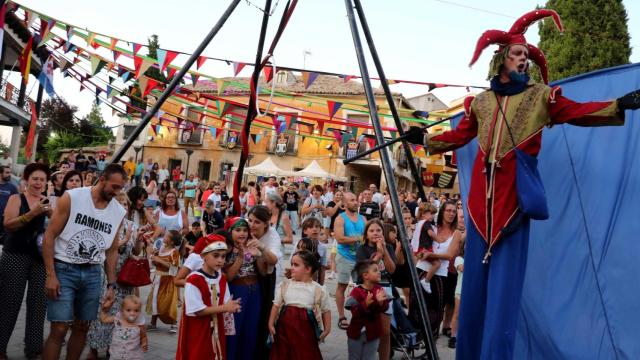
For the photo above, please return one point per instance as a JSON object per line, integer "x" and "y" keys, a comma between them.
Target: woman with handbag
{"x": 21, "y": 261}
{"x": 99, "y": 335}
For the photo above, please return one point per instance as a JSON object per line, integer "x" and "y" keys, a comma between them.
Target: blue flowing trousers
{"x": 491, "y": 294}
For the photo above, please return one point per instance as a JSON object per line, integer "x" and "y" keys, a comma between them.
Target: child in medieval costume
{"x": 300, "y": 305}
{"x": 162, "y": 302}
{"x": 129, "y": 336}
{"x": 208, "y": 305}
{"x": 507, "y": 121}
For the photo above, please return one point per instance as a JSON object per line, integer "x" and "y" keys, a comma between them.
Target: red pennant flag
{"x": 333, "y": 107}
{"x": 169, "y": 57}
{"x": 136, "y": 48}
{"x": 237, "y": 67}
{"x": 141, "y": 65}
{"x": 201, "y": 60}
{"x": 153, "y": 128}
{"x": 194, "y": 79}
{"x": 171, "y": 72}
{"x": 32, "y": 132}
{"x": 371, "y": 141}
{"x": 287, "y": 120}
{"x": 320, "y": 127}
{"x": 150, "y": 85}
{"x": 268, "y": 73}
{"x": 116, "y": 53}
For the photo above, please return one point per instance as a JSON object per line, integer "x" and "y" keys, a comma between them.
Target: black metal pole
{"x": 391, "y": 183}
{"x": 251, "y": 110}
{"x": 391, "y": 142}
{"x": 176, "y": 79}
{"x": 387, "y": 92}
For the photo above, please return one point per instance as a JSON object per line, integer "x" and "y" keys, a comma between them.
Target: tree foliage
{"x": 596, "y": 36}
{"x": 61, "y": 140}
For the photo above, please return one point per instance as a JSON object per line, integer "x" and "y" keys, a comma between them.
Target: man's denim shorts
{"x": 80, "y": 292}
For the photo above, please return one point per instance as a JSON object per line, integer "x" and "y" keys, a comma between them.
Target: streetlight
{"x": 189, "y": 152}
{"x": 137, "y": 150}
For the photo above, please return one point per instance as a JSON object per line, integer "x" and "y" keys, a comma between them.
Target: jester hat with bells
{"x": 515, "y": 36}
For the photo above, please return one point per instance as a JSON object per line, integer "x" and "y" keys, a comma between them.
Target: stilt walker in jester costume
{"x": 506, "y": 191}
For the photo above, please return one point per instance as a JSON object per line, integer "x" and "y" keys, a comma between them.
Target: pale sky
{"x": 423, "y": 40}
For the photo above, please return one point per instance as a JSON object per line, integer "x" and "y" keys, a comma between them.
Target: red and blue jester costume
{"x": 497, "y": 243}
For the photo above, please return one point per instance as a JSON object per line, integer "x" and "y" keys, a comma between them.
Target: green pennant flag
{"x": 96, "y": 64}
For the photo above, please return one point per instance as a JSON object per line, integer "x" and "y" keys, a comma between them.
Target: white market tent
{"x": 265, "y": 168}
{"x": 314, "y": 170}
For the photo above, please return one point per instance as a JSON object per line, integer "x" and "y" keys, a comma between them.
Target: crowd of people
{"x": 71, "y": 235}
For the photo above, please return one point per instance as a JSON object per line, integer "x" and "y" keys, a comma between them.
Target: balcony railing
{"x": 11, "y": 93}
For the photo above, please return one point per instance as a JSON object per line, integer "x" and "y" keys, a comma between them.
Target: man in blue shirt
{"x": 6, "y": 190}
{"x": 138, "y": 173}
{"x": 190, "y": 186}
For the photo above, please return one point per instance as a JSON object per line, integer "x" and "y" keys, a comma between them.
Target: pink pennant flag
{"x": 237, "y": 67}
{"x": 333, "y": 107}
{"x": 346, "y": 78}
{"x": 308, "y": 78}
{"x": 200, "y": 61}
{"x": 320, "y": 127}
{"x": 337, "y": 135}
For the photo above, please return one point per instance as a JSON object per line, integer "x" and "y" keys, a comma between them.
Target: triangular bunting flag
{"x": 268, "y": 73}
{"x": 116, "y": 54}
{"x": 253, "y": 137}
{"x": 289, "y": 119}
{"x": 225, "y": 109}
{"x": 114, "y": 41}
{"x": 308, "y": 78}
{"x": 354, "y": 132}
{"x": 346, "y": 78}
{"x": 153, "y": 128}
{"x": 320, "y": 127}
{"x": 194, "y": 79}
{"x": 167, "y": 58}
{"x": 338, "y": 135}
{"x": 391, "y": 81}
{"x": 200, "y": 61}
{"x": 96, "y": 64}
{"x": 333, "y": 107}
{"x": 65, "y": 65}
{"x": 109, "y": 91}
{"x": 221, "y": 85}
{"x": 136, "y": 48}
{"x": 214, "y": 132}
{"x": 126, "y": 76}
{"x": 110, "y": 67}
{"x": 171, "y": 72}
{"x": 237, "y": 67}
{"x": 159, "y": 128}
{"x": 371, "y": 141}
{"x": 69, "y": 32}
{"x": 141, "y": 65}
{"x": 257, "y": 139}
{"x": 111, "y": 78}
{"x": 150, "y": 85}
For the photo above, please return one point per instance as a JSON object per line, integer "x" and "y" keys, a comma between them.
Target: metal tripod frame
{"x": 174, "y": 82}
{"x": 386, "y": 160}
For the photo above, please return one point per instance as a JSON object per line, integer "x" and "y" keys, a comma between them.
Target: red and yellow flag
{"x": 25, "y": 60}
{"x": 28, "y": 147}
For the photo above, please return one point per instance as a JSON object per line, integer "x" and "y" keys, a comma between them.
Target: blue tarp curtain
{"x": 581, "y": 296}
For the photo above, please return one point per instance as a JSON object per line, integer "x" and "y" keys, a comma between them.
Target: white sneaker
{"x": 426, "y": 285}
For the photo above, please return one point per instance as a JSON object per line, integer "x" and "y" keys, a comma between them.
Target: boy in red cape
{"x": 207, "y": 305}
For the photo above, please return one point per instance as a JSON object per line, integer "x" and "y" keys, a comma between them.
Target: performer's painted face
{"x": 516, "y": 59}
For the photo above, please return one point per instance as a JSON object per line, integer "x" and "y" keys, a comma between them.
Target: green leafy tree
{"x": 596, "y": 36}
{"x": 94, "y": 127}
{"x": 62, "y": 140}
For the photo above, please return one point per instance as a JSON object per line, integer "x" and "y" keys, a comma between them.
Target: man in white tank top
{"x": 79, "y": 238}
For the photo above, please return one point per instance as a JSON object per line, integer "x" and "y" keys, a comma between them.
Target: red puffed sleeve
{"x": 601, "y": 113}
{"x": 466, "y": 130}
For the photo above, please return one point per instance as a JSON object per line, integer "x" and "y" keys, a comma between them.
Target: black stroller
{"x": 405, "y": 338}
